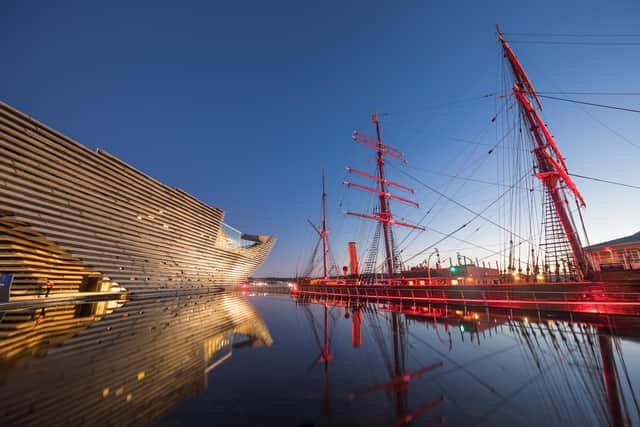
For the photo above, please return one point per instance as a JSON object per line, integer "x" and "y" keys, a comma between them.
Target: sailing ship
{"x": 558, "y": 261}
{"x": 73, "y": 219}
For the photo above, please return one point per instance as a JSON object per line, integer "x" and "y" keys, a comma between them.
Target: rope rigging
{"x": 592, "y": 104}
{"x": 464, "y": 167}
{"x": 476, "y": 213}
{"x": 578, "y": 43}
{"x": 590, "y": 93}
{"x": 574, "y": 34}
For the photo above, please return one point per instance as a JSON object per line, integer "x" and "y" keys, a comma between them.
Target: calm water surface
{"x": 270, "y": 360}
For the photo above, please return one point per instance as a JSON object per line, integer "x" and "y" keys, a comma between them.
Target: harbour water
{"x": 268, "y": 359}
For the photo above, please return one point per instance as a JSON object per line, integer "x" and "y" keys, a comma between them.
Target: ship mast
{"x": 552, "y": 170}
{"x": 384, "y": 205}
{"x": 324, "y": 232}
{"x": 383, "y": 215}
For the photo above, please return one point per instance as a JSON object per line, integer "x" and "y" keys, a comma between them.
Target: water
{"x": 258, "y": 360}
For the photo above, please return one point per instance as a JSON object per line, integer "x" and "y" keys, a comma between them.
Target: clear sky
{"x": 242, "y": 104}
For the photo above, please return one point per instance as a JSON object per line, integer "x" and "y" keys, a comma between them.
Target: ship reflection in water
{"x": 178, "y": 361}
{"x": 446, "y": 364}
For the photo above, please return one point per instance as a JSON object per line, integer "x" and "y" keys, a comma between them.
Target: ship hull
{"x": 578, "y": 297}
{"x": 74, "y": 219}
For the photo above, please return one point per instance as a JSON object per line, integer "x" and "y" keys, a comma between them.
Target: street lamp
{"x": 429, "y": 261}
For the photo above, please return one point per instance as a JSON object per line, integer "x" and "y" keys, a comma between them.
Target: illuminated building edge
{"x": 74, "y": 219}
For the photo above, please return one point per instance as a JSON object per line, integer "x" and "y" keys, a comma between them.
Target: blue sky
{"x": 242, "y": 104}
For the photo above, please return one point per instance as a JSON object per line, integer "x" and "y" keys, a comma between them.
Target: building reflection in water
{"x": 577, "y": 363}
{"x": 27, "y": 332}
{"x": 109, "y": 363}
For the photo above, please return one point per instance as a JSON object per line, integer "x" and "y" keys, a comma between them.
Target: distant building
{"x": 617, "y": 254}
{"x": 474, "y": 275}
